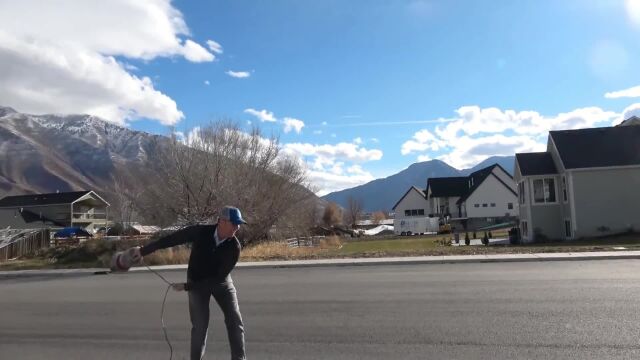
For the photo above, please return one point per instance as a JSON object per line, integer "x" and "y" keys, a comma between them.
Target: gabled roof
{"x": 476, "y": 179}
{"x": 538, "y": 163}
{"x": 598, "y": 147}
{"x": 463, "y": 186}
{"x": 422, "y": 193}
{"x": 634, "y": 120}
{"x": 42, "y": 199}
{"x": 448, "y": 186}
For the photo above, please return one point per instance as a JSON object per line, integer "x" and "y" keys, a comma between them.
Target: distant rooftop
{"x": 42, "y": 199}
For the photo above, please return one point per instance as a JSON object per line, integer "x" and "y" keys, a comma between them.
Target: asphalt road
{"x": 532, "y": 310}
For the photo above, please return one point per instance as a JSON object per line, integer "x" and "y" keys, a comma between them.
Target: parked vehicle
{"x": 415, "y": 226}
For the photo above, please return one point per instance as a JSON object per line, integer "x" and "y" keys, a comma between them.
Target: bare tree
{"x": 354, "y": 211}
{"x": 222, "y": 165}
{"x": 332, "y": 214}
{"x": 377, "y": 217}
{"x": 124, "y": 200}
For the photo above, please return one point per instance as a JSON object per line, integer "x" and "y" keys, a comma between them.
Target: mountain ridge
{"x": 382, "y": 194}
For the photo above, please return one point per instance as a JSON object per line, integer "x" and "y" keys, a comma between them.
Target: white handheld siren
{"x": 123, "y": 260}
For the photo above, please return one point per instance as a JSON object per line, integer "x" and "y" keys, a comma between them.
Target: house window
{"x": 484, "y": 205}
{"x": 521, "y": 188}
{"x": 524, "y": 228}
{"x": 414, "y": 212}
{"x": 564, "y": 189}
{"x": 476, "y": 205}
{"x": 493, "y": 204}
{"x": 544, "y": 191}
{"x": 567, "y": 229}
{"x": 510, "y": 206}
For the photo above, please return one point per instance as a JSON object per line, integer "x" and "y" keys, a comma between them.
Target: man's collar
{"x": 216, "y": 238}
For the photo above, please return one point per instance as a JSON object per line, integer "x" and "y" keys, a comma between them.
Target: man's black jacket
{"x": 206, "y": 261}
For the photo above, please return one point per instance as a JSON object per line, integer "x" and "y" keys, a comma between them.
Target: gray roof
{"x": 479, "y": 176}
{"x": 634, "y": 120}
{"x": 448, "y": 186}
{"x": 598, "y": 147}
{"x": 538, "y": 163}
{"x": 42, "y": 199}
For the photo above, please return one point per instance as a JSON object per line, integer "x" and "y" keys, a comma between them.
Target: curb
{"x": 436, "y": 260}
{"x": 416, "y": 260}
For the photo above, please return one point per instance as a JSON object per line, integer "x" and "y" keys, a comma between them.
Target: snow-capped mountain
{"x": 48, "y": 153}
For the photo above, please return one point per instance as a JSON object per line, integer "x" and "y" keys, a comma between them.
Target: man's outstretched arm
{"x": 179, "y": 237}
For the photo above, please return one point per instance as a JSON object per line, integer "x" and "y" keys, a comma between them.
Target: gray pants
{"x": 225, "y": 295}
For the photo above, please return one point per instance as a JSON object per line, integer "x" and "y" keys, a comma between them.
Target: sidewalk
{"x": 447, "y": 259}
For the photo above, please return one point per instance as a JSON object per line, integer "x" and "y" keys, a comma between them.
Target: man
{"x": 214, "y": 253}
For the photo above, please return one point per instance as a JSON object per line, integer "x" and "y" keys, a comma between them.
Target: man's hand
{"x": 135, "y": 255}
{"x": 179, "y": 286}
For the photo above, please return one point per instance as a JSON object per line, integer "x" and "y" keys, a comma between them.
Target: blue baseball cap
{"x": 232, "y": 214}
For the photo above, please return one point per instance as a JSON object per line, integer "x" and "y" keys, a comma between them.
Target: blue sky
{"x": 358, "y": 89}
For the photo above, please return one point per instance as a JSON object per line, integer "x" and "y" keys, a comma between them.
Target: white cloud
{"x": 375, "y": 140}
{"x": 263, "y": 115}
{"x": 334, "y": 167}
{"x": 333, "y": 135}
{"x": 357, "y": 140}
{"x": 61, "y": 58}
{"x": 324, "y": 123}
{"x": 238, "y": 74}
{"x": 194, "y": 52}
{"x": 180, "y": 136}
{"x": 328, "y": 182}
{"x": 206, "y": 82}
{"x": 470, "y": 151}
{"x": 292, "y": 124}
{"x": 631, "y": 92}
{"x": 193, "y": 137}
{"x": 44, "y": 78}
{"x": 317, "y": 132}
{"x": 422, "y": 140}
{"x": 214, "y": 46}
{"x": 478, "y": 133}
{"x": 340, "y": 151}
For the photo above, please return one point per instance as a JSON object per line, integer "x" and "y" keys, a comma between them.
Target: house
{"x": 484, "y": 197}
{"x": 491, "y": 197}
{"x": 586, "y": 184}
{"x": 84, "y": 209}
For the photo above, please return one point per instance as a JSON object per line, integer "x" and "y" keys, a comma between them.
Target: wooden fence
{"x": 304, "y": 241}
{"x": 24, "y": 243}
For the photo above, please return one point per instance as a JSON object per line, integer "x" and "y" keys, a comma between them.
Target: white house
{"x": 586, "y": 184}
{"x": 84, "y": 209}
{"x": 484, "y": 197}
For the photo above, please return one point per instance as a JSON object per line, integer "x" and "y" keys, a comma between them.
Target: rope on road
{"x": 164, "y": 327}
